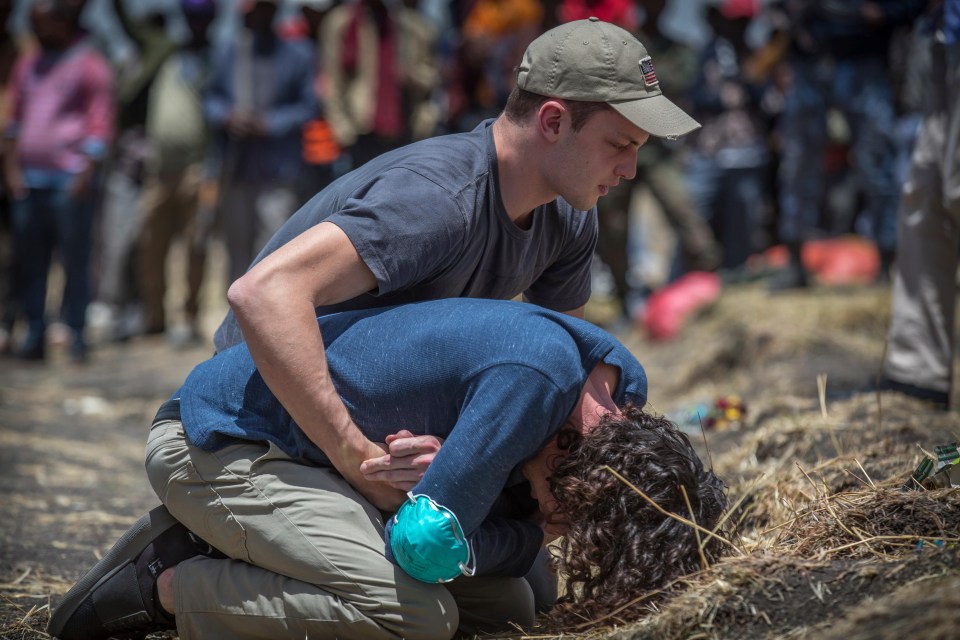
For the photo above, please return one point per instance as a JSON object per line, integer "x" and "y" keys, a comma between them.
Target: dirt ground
{"x": 828, "y": 546}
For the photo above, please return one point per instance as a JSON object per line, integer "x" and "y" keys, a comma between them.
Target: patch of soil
{"x": 773, "y": 597}
{"x": 71, "y": 467}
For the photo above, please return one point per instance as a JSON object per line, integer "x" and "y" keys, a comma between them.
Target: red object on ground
{"x": 840, "y": 261}
{"x": 669, "y": 308}
{"x": 834, "y": 261}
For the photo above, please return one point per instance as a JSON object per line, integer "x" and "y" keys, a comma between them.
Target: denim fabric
{"x": 286, "y": 102}
{"x": 45, "y": 220}
{"x": 860, "y": 88}
{"x": 731, "y": 201}
{"x": 951, "y": 22}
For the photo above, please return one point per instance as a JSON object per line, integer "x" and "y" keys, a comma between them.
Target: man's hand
{"x": 80, "y": 185}
{"x": 16, "y": 185}
{"x": 241, "y": 124}
{"x": 380, "y": 494}
{"x": 408, "y": 457}
{"x": 12, "y": 174}
{"x": 873, "y": 13}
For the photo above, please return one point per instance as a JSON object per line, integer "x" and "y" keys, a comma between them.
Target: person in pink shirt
{"x": 61, "y": 122}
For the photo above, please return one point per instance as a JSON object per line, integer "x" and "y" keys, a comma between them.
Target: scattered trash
{"x": 841, "y": 261}
{"x": 723, "y": 413}
{"x": 86, "y": 406}
{"x": 667, "y": 309}
{"x": 845, "y": 260}
{"x": 939, "y": 544}
{"x": 690, "y": 418}
{"x": 936, "y": 473}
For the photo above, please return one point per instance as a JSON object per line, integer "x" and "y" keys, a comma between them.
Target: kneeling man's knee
{"x": 428, "y": 612}
{"x": 493, "y": 604}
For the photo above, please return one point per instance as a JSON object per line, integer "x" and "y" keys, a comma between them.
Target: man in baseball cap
{"x": 506, "y": 209}
{"x": 594, "y": 61}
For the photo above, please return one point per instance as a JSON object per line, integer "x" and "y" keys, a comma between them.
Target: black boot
{"x": 884, "y": 275}
{"x": 793, "y": 276}
{"x": 117, "y": 598}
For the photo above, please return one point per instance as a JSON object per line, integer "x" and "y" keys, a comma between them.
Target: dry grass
{"x": 814, "y": 477}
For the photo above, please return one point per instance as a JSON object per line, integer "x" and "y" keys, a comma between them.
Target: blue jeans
{"x": 49, "y": 219}
{"x": 861, "y": 90}
{"x": 731, "y": 201}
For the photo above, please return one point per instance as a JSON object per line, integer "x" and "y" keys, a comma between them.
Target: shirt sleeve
{"x": 406, "y": 228}
{"x": 565, "y": 284}
{"x": 101, "y": 113}
{"x": 15, "y": 95}
{"x": 505, "y": 547}
{"x": 500, "y": 546}
{"x": 217, "y": 98}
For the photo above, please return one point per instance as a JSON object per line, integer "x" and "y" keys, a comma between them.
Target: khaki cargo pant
{"x": 170, "y": 205}
{"x": 306, "y": 554}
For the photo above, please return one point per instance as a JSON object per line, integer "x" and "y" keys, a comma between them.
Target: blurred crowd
{"x": 809, "y": 110}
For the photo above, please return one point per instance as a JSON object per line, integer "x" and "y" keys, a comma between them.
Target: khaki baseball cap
{"x": 595, "y": 61}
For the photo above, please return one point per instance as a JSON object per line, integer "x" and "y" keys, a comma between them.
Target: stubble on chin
{"x": 582, "y": 204}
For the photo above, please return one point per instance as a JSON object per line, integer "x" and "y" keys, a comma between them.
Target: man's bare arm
{"x": 275, "y": 306}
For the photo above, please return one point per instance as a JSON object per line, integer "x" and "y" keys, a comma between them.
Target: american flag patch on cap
{"x": 649, "y": 74}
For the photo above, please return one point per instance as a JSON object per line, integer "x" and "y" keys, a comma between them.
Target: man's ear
{"x": 551, "y": 118}
{"x": 554, "y": 452}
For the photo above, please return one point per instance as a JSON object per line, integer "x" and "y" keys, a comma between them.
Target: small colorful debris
{"x": 725, "y": 412}
{"x": 936, "y": 471}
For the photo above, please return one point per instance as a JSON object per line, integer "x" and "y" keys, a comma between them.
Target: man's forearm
{"x": 285, "y": 342}
{"x": 288, "y": 349}
{"x": 12, "y": 176}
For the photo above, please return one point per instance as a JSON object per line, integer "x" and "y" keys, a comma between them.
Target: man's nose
{"x": 628, "y": 168}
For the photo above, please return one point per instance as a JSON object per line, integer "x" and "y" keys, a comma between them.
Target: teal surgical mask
{"x": 428, "y": 542}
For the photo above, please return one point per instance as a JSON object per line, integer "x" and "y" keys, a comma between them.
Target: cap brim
{"x": 657, "y": 116}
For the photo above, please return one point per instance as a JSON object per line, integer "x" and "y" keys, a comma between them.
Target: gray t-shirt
{"x": 429, "y": 222}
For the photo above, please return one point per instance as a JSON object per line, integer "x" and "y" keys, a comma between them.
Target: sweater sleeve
{"x": 509, "y": 412}
{"x": 15, "y": 98}
{"x": 499, "y": 546}
{"x": 217, "y": 98}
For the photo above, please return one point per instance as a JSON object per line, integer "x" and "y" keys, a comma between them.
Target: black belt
{"x": 169, "y": 410}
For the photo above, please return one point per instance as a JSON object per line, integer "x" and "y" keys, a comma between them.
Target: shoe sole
{"x": 130, "y": 545}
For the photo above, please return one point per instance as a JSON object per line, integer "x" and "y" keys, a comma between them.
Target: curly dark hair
{"x": 617, "y": 545}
